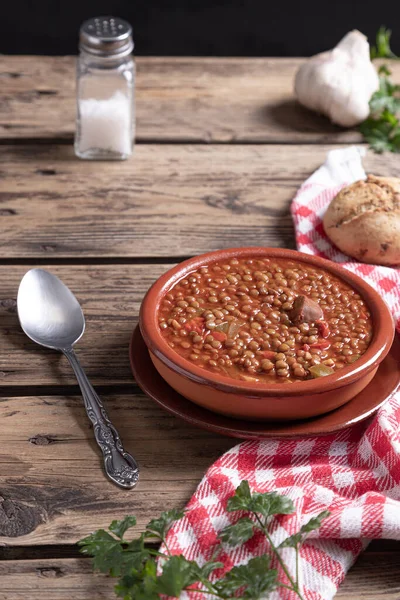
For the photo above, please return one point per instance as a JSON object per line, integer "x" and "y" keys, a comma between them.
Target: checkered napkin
{"x": 354, "y": 473}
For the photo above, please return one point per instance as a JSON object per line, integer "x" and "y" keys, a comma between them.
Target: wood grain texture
{"x": 178, "y": 99}
{"x": 53, "y": 489}
{"x": 169, "y": 200}
{"x": 373, "y": 577}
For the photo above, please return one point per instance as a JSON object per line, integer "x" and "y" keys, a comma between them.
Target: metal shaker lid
{"x": 106, "y": 36}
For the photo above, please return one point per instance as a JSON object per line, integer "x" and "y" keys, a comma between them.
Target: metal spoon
{"x": 51, "y": 316}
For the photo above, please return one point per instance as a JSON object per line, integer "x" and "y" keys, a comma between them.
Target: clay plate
{"x": 365, "y": 404}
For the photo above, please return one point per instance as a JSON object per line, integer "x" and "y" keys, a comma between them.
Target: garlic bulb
{"x": 339, "y": 83}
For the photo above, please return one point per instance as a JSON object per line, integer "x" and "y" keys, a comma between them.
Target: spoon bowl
{"x": 48, "y": 311}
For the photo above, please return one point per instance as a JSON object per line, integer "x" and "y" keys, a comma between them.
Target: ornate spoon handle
{"x": 120, "y": 466}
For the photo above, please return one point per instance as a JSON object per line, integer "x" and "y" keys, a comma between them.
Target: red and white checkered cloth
{"x": 354, "y": 473}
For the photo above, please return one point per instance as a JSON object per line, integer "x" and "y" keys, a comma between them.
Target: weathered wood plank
{"x": 373, "y": 576}
{"x": 178, "y": 99}
{"x": 110, "y": 297}
{"x": 53, "y": 489}
{"x": 170, "y": 200}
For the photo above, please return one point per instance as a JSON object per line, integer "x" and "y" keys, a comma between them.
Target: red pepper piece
{"x": 219, "y": 335}
{"x": 323, "y": 328}
{"x": 306, "y": 347}
{"x": 321, "y": 345}
{"x": 268, "y": 354}
{"x": 196, "y": 324}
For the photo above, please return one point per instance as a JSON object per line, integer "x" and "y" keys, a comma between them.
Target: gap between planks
{"x": 106, "y": 260}
{"x": 171, "y": 142}
{"x": 46, "y": 551}
{"x": 56, "y": 551}
{"x": 371, "y": 577}
{"x": 20, "y": 391}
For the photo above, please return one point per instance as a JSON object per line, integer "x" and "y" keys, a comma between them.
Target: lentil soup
{"x": 265, "y": 320}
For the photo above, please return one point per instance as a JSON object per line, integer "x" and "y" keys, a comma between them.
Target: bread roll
{"x": 363, "y": 220}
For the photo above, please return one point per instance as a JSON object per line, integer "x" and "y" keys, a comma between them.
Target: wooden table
{"x": 222, "y": 148}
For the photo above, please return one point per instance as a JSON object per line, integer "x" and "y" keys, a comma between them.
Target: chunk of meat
{"x": 305, "y": 310}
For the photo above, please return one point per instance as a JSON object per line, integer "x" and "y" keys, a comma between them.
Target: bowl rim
{"x": 157, "y": 345}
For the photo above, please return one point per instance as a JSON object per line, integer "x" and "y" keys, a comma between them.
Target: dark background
{"x": 194, "y": 27}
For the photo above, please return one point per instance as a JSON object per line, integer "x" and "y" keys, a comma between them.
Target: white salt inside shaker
{"x": 106, "y": 124}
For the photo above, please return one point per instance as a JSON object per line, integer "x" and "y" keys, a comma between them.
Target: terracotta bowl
{"x": 260, "y": 401}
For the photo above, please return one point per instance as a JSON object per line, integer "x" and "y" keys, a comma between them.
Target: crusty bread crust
{"x": 363, "y": 220}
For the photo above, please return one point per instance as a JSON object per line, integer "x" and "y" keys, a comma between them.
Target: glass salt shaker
{"x": 105, "y": 122}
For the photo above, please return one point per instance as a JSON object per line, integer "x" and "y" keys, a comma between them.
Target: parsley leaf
{"x": 266, "y": 504}
{"x": 120, "y": 527}
{"x": 106, "y": 550}
{"x": 384, "y": 70}
{"x": 240, "y": 500}
{"x": 238, "y": 533}
{"x": 255, "y": 577}
{"x": 382, "y": 128}
{"x": 205, "y": 571}
{"x": 178, "y": 573}
{"x": 292, "y": 541}
{"x": 141, "y": 586}
{"x": 113, "y": 556}
{"x": 159, "y": 527}
{"x": 382, "y": 133}
{"x": 142, "y": 590}
{"x": 272, "y": 503}
{"x": 315, "y": 522}
{"x": 386, "y": 98}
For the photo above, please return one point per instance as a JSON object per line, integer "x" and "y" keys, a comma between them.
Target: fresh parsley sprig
{"x": 382, "y": 47}
{"x": 382, "y": 128}
{"x": 135, "y": 563}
